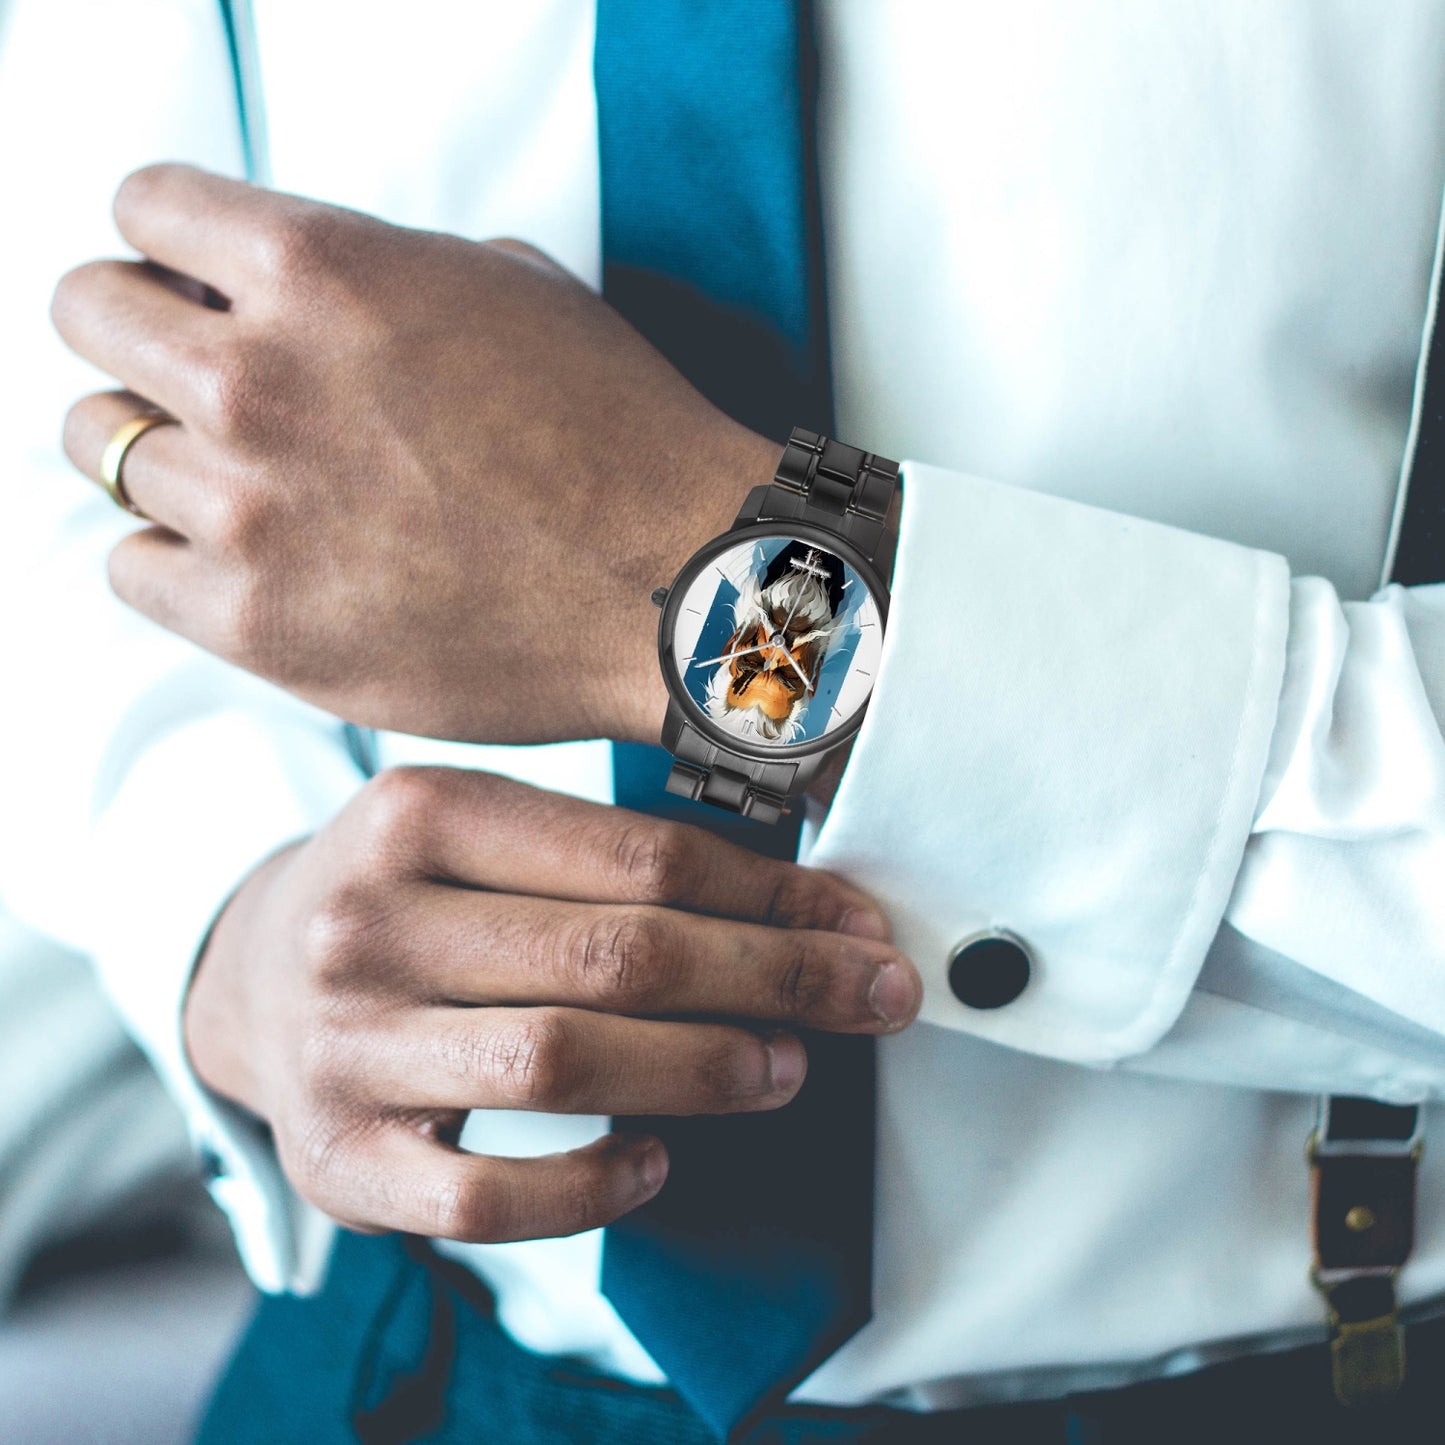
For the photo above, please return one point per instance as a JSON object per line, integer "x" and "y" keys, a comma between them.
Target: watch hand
{"x": 808, "y": 685}
{"x": 728, "y": 656}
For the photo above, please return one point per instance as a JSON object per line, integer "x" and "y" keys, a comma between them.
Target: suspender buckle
{"x": 1364, "y": 1158}
{"x": 1367, "y": 1344}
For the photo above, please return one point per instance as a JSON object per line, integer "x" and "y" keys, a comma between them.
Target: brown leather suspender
{"x": 1364, "y": 1160}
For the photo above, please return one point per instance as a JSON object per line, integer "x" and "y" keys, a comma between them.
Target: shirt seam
{"x": 1269, "y": 644}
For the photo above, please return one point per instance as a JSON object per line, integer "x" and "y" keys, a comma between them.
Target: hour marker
{"x": 696, "y": 611}
{"x": 860, "y": 671}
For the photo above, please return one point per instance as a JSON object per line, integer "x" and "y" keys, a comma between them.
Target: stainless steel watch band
{"x": 822, "y": 483}
{"x": 832, "y": 485}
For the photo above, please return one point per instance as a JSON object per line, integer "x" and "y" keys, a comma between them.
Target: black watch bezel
{"x": 695, "y": 717}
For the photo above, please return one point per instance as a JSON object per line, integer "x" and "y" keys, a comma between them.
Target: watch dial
{"x": 777, "y": 641}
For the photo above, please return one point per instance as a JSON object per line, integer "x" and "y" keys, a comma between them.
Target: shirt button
{"x": 211, "y": 1166}
{"x": 989, "y": 970}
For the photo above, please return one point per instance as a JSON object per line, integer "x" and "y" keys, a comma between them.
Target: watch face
{"x": 777, "y": 641}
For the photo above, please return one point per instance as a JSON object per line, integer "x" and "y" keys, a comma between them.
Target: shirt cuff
{"x": 194, "y": 815}
{"x": 1071, "y": 720}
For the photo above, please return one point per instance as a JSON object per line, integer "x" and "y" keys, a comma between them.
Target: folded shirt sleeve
{"x": 1205, "y": 796}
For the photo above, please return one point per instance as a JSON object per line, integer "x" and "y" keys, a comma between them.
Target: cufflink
{"x": 989, "y": 970}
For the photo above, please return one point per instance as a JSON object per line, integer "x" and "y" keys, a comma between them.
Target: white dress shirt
{"x": 1141, "y": 290}
{"x": 87, "y": 1135}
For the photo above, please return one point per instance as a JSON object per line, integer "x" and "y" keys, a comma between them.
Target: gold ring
{"x": 113, "y": 457}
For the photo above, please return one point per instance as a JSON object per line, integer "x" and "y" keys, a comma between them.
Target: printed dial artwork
{"x": 777, "y": 641}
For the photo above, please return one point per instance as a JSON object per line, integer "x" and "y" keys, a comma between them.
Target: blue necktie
{"x": 754, "y": 1262}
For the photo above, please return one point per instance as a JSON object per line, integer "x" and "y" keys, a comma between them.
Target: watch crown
{"x": 659, "y": 596}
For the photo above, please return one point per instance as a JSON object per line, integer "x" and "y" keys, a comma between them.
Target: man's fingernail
{"x": 865, "y": 923}
{"x": 894, "y": 994}
{"x": 652, "y": 1165}
{"x": 787, "y": 1062}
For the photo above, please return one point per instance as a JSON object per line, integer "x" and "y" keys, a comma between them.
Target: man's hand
{"x": 457, "y": 941}
{"x": 425, "y": 483}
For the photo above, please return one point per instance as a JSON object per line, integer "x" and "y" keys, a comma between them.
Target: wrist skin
{"x": 737, "y": 461}
{"x": 741, "y": 460}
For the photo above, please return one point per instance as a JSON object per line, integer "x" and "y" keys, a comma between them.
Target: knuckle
{"x": 76, "y": 290}
{"x": 296, "y": 243}
{"x": 231, "y": 388}
{"x": 793, "y": 898}
{"x": 653, "y": 861}
{"x": 124, "y": 572}
{"x": 401, "y": 804}
{"x": 143, "y": 188}
{"x": 529, "y": 1061}
{"x": 77, "y": 434}
{"x": 617, "y": 956}
{"x": 338, "y": 933}
{"x": 322, "y": 1061}
{"x": 238, "y": 521}
{"x": 63, "y": 298}
{"x": 316, "y": 1156}
{"x": 804, "y": 982}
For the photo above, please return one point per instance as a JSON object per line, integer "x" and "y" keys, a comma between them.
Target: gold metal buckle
{"x": 1367, "y": 1356}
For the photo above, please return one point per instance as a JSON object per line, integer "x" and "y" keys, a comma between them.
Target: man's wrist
{"x": 746, "y": 460}
{"x": 730, "y": 464}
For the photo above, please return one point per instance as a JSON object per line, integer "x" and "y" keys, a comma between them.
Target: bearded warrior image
{"x": 784, "y": 621}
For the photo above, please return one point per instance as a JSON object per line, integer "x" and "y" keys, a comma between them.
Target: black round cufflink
{"x": 989, "y": 970}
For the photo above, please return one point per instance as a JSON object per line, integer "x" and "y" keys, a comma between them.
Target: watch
{"x": 771, "y": 635}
